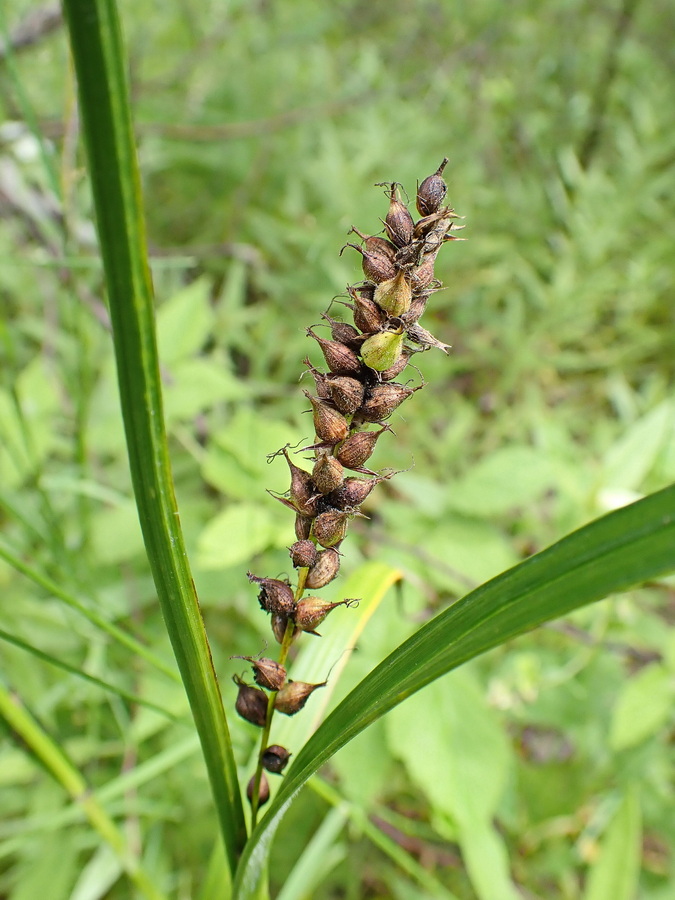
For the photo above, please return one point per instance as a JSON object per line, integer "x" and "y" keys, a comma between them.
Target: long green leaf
{"x": 97, "y": 48}
{"x": 619, "y": 550}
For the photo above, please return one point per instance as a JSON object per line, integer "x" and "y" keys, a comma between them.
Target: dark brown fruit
{"x": 293, "y": 696}
{"x": 275, "y": 596}
{"x": 432, "y": 191}
{"x": 398, "y": 223}
{"x": 378, "y": 257}
{"x": 311, "y": 611}
{"x": 346, "y": 393}
{"x": 330, "y": 527}
{"x": 303, "y": 554}
{"x": 263, "y": 791}
{"x": 266, "y": 672}
{"x": 368, "y": 316}
{"x": 251, "y": 703}
{"x": 382, "y": 400}
{"x": 344, "y": 333}
{"x": 358, "y": 448}
{"x": 329, "y": 424}
{"x": 275, "y": 758}
{"x": 328, "y": 473}
{"x": 324, "y": 570}
{"x": 339, "y": 358}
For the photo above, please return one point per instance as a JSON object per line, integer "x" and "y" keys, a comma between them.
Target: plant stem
{"x": 265, "y": 736}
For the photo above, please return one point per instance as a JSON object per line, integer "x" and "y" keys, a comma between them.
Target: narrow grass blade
{"x": 126, "y": 640}
{"x": 611, "y": 554}
{"x": 105, "y": 685}
{"x": 97, "y": 48}
{"x": 54, "y": 759}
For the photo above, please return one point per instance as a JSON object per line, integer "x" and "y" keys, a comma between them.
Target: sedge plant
{"x": 350, "y": 405}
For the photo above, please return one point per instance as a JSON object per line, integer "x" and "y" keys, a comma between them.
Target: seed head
{"x": 346, "y": 393}
{"x": 275, "y": 596}
{"x": 327, "y": 474}
{"x": 311, "y": 611}
{"x": 324, "y": 570}
{"x": 368, "y": 316}
{"x": 263, "y": 790}
{"x": 329, "y": 424}
{"x": 303, "y": 554}
{"x": 398, "y": 223}
{"x": 383, "y": 399}
{"x": 266, "y": 672}
{"x": 275, "y": 758}
{"x": 358, "y": 448}
{"x": 251, "y": 703}
{"x": 339, "y": 358}
{"x": 330, "y": 527}
{"x": 432, "y": 191}
{"x": 293, "y": 696}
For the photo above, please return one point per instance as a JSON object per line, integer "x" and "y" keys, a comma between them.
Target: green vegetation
{"x": 540, "y": 768}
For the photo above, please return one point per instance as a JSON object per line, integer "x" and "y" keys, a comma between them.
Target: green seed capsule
{"x": 382, "y": 350}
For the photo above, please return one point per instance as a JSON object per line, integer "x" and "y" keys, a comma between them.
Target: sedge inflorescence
{"x": 353, "y": 398}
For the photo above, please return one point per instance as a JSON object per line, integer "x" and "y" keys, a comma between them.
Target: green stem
{"x": 265, "y": 736}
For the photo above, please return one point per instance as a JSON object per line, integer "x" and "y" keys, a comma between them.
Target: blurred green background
{"x": 262, "y": 128}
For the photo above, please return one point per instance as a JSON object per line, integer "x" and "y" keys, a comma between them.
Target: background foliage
{"x": 261, "y": 129}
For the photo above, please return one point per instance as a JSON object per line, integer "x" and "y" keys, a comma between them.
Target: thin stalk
{"x": 265, "y": 736}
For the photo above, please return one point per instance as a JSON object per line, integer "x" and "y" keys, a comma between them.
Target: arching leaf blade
{"x": 613, "y": 553}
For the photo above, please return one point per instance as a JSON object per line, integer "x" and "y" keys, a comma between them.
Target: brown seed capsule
{"x": 324, "y": 570}
{"x": 339, "y": 358}
{"x": 374, "y": 244}
{"x": 426, "y": 339}
{"x": 359, "y": 447}
{"x": 311, "y": 611}
{"x": 417, "y": 307}
{"x": 377, "y": 265}
{"x": 275, "y": 596}
{"x": 303, "y": 526}
{"x": 263, "y": 791}
{"x": 423, "y": 275}
{"x": 382, "y": 351}
{"x": 266, "y": 672}
{"x": 251, "y": 703}
{"x": 293, "y": 696}
{"x": 301, "y": 491}
{"x": 330, "y": 527}
{"x": 303, "y": 554}
{"x": 327, "y": 474}
{"x": 352, "y": 492}
{"x": 432, "y": 191}
{"x": 329, "y": 424}
{"x": 394, "y": 296}
{"x": 398, "y": 223}
{"x": 383, "y": 399}
{"x": 320, "y": 380}
{"x": 346, "y": 393}
{"x": 275, "y": 758}
{"x": 344, "y": 333}
{"x": 368, "y": 316}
